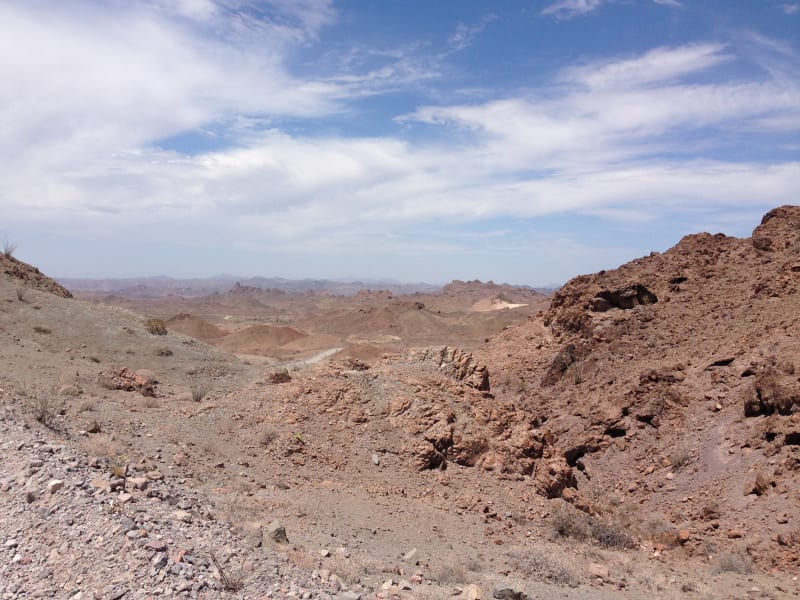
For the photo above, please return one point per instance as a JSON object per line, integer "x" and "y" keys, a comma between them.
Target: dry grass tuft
{"x": 541, "y": 564}
{"x": 9, "y": 248}
{"x": 230, "y": 582}
{"x": 199, "y": 392}
{"x": 570, "y": 522}
{"x": 42, "y": 403}
{"x": 267, "y": 436}
{"x": 733, "y": 562}
{"x": 450, "y": 572}
{"x": 156, "y": 326}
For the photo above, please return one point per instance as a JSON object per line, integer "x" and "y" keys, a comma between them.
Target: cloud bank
{"x": 91, "y": 98}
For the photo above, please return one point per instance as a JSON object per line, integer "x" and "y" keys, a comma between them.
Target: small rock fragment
{"x": 54, "y": 485}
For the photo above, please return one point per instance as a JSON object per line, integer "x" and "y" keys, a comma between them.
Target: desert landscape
{"x": 633, "y": 434}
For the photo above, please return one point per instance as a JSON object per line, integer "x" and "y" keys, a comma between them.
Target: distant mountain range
{"x": 156, "y": 286}
{"x": 164, "y": 286}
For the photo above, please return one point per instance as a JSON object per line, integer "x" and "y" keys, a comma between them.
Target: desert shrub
{"x": 40, "y": 329}
{"x": 450, "y": 572}
{"x": 732, "y": 562}
{"x": 229, "y": 581}
{"x": 21, "y": 291}
{"x": 679, "y": 457}
{"x": 611, "y": 534}
{"x": 570, "y": 522}
{"x": 42, "y": 404}
{"x": 156, "y": 326}
{"x": 9, "y": 248}
{"x": 577, "y": 372}
{"x": 199, "y": 392}
{"x": 267, "y": 436}
{"x": 163, "y": 351}
{"x": 544, "y": 565}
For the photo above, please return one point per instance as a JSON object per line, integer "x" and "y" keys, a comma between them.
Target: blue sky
{"x": 518, "y": 141}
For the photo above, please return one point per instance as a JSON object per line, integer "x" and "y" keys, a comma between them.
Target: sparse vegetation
{"x": 163, "y": 351}
{"x": 230, "y": 582}
{"x": 156, "y": 326}
{"x": 450, "y": 572}
{"x": 577, "y": 371}
{"x": 42, "y": 330}
{"x": 267, "y": 436}
{"x": 42, "y": 404}
{"x": 570, "y": 522}
{"x": 679, "y": 457}
{"x": 733, "y": 562}
{"x": 21, "y": 291}
{"x": 9, "y": 247}
{"x": 544, "y": 565}
{"x": 199, "y": 392}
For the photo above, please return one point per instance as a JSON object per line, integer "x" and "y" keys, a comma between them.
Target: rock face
{"x": 640, "y": 373}
{"x": 455, "y": 363}
{"x": 31, "y": 276}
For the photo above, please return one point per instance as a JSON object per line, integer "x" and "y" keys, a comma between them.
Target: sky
{"x": 518, "y": 141}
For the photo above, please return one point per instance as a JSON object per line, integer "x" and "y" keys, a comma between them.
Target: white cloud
{"x": 567, "y": 9}
{"x": 656, "y": 65}
{"x": 790, "y": 8}
{"x": 464, "y": 34}
{"x": 88, "y": 96}
{"x": 674, "y": 3}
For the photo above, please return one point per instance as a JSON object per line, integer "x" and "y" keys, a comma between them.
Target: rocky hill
{"x": 671, "y": 383}
{"x": 27, "y": 276}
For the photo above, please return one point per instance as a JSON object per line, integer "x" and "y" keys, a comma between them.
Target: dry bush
{"x": 679, "y": 457}
{"x": 450, "y": 572}
{"x": 431, "y": 592}
{"x": 95, "y": 360}
{"x": 41, "y": 403}
{"x": 156, "y": 326}
{"x": 570, "y": 522}
{"x": 352, "y": 569}
{"x": 21, "y": 291}
{"x": 199, "y": 392}
{"x": 104, "y": 445}
{"x": 9, "y": 247}
{"x": 163, "y": 351}
{"x": 542, "y": 564}
{"x": 230, "y": 582}
{"x": 267, "y": 436}
{"x": 43, "y": 330}
{"x": 733, "y": 562}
